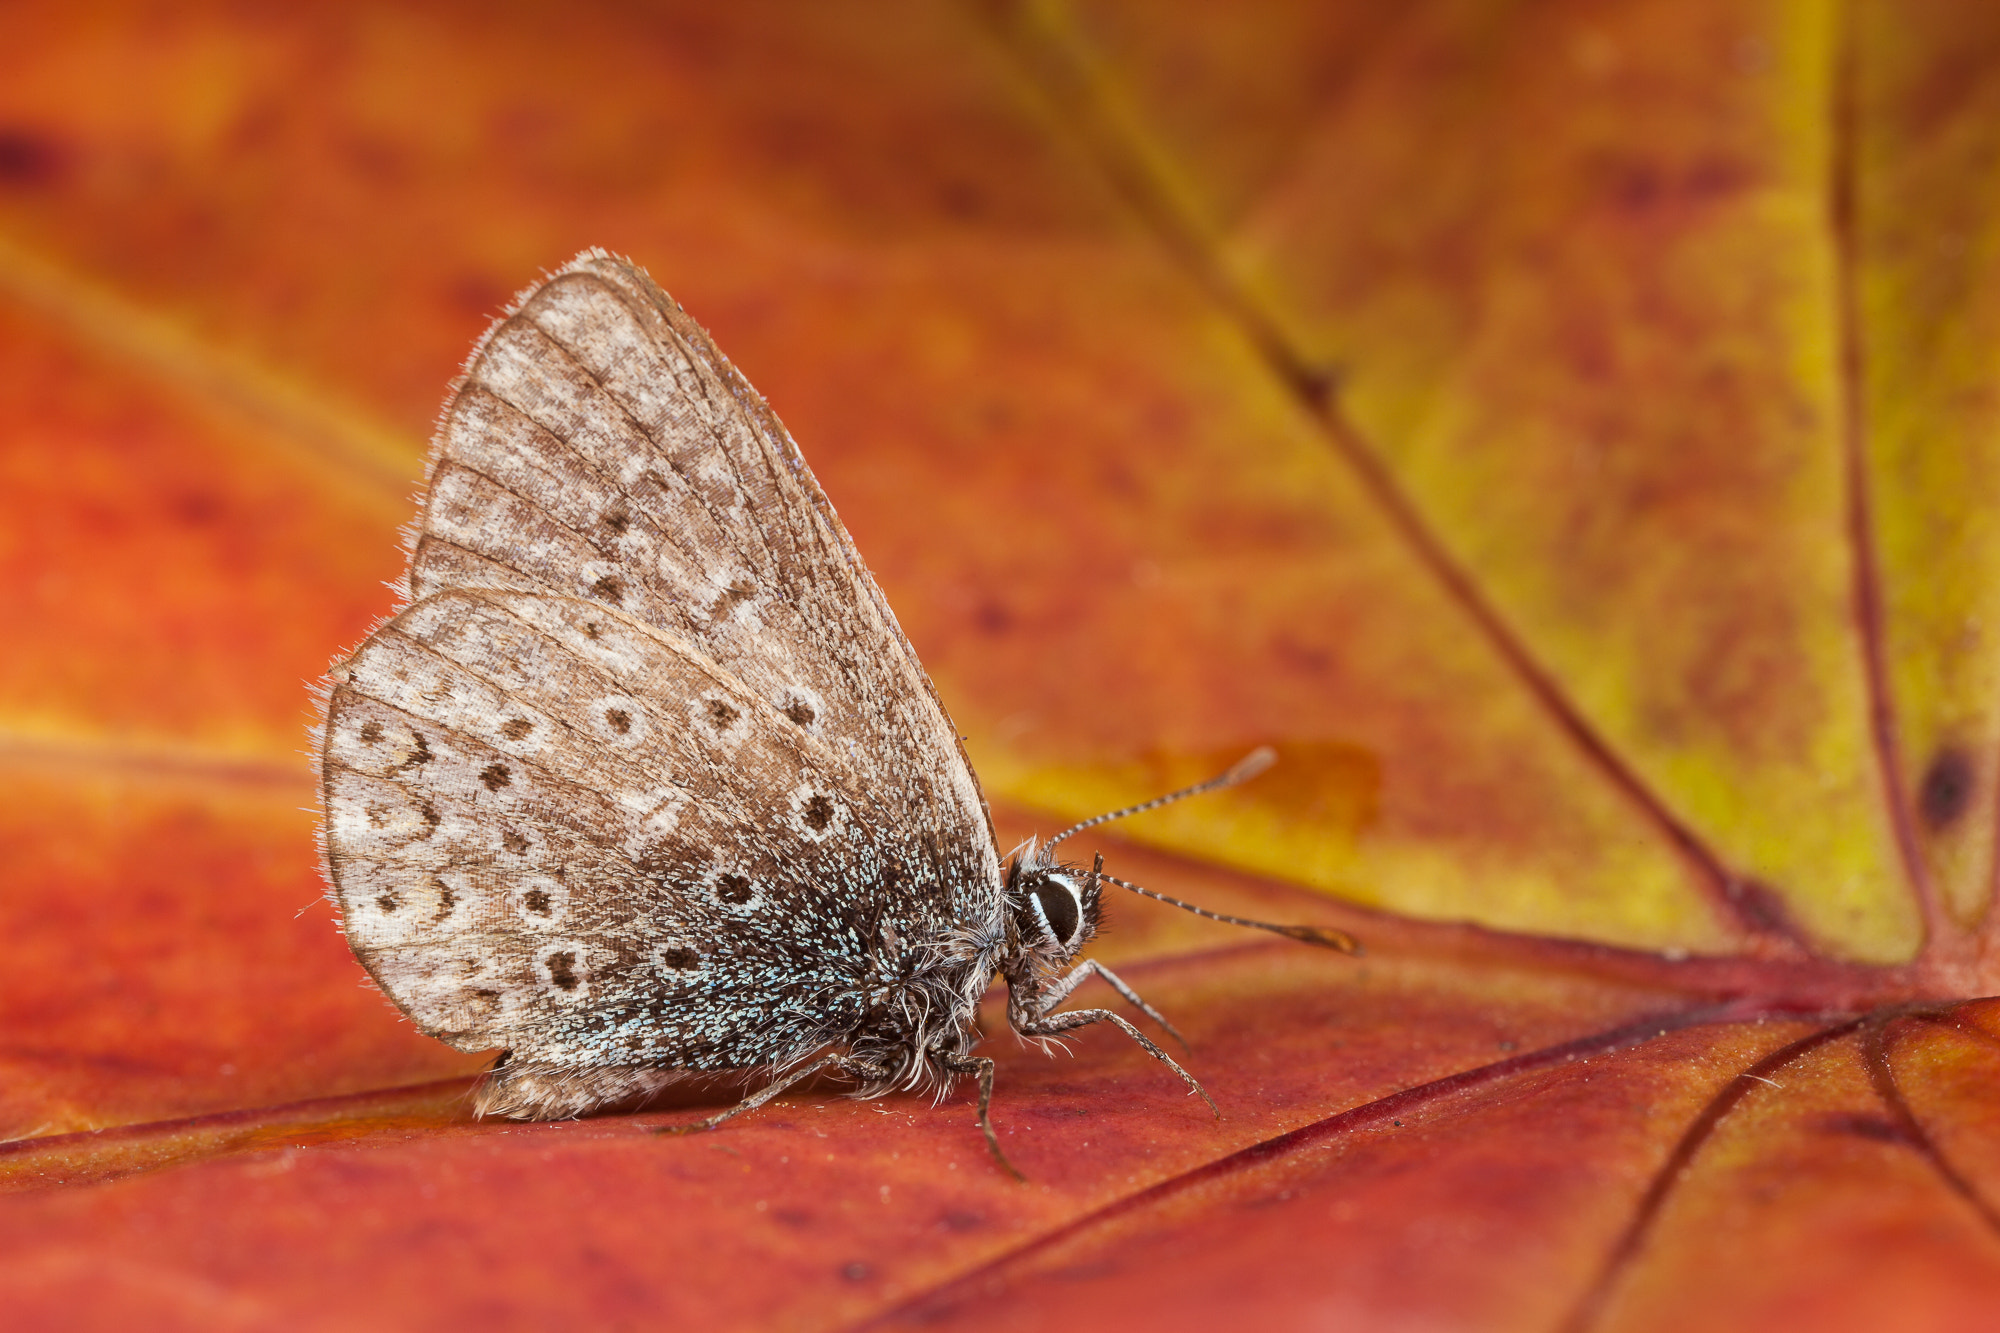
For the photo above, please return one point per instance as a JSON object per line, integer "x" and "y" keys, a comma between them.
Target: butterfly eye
{"x": 1058, "y": 905}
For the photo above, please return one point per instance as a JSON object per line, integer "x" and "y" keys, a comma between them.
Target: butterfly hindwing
{"x": 558, "y": 830}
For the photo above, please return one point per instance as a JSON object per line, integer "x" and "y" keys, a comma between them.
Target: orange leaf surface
{"x": 1566, "y": 432}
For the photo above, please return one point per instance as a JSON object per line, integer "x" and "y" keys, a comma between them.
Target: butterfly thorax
{"x": 922, "y": 998}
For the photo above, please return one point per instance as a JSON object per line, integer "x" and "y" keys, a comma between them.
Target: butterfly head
{"x": 1053, "y": 907}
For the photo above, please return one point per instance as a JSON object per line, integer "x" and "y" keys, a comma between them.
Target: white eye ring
{"x": 1042, "y": 915}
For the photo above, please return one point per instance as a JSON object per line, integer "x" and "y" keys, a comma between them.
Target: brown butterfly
{"x": 645, "y": 780}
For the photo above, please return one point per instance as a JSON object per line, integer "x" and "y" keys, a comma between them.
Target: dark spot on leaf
{"x": 993, "y": 617}
{"x": 733, "y": 889}
{"x": 1315, "y": 385}
{"x": 1300, "y": 655}
{"x": 818, "y": 813}
{"x": 961, "y": 1221}
{"x": 513, "y": 842}
{"x": 27, "y": 158}
{"x": 1947, "y": 788}
{"x": 1760, "y": 905}
{"x": 800, "y": 712}
{"x": 495, "y": 776}
{"x": 1864, "y": 1125}
{"x": 962, "y": 199}
{"x": 562, "y": 969}
{"x": 197, "y": 509}
{"x": 478, "y": 293}
{"x": 371, "y": 732}
{"x": 611, "y": 588}
{"x": 516, "y": 727}
{"x": 537, "y": 901}
{"x": 722, "y": 714}
{"x": 682, "y": 957}
{"x": 618, "y": 720}
{"x": 856, "y": 1271}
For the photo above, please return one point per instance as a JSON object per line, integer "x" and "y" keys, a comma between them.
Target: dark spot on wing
{"x": 516, "y": 727}
{"x": 387, "y": 902}
{"x": 431, "y": 817}
{"x": 733, "y": 889}
{"x": 681, "y": 957}
{"x": 800, "y": 712}
{"x": 818, "y": 813}
{"x": 593, "y": 631}
{"x": 618, "y": 720}
{"x": 562, "y": 969}
{"x": 722, "y": 714}
{"x": 421, "y": 754}
{"x": 513, "y": 842}
{"x": 737, "y": 593}
{"x": 537, "y": 901}
{"x": 446, "y": 898}
{"x": 1947, "y": 788}
{"x": 371, "y": 732}
{"x": 616, "y": 519}
{"x": 495, "y": 776}
{"x": 611, "y": 588}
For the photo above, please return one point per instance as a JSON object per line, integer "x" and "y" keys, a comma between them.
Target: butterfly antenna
{"x": 1249, "y": 766}
{"x": 1326, "y": 936}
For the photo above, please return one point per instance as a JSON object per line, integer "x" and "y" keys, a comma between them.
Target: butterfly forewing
{"x": 647, "y": 766}
{"x": 601, "y": 447}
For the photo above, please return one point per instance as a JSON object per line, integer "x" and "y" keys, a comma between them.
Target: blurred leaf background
{"x": 1566, "y": 430}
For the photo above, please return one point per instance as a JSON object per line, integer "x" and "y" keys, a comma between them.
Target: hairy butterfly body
{"x": 645, "y": 780}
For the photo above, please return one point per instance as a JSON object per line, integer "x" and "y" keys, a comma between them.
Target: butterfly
{"x": 644, "y": 781}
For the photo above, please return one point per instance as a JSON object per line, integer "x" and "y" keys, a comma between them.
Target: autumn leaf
{"x": 1566, "y": 432}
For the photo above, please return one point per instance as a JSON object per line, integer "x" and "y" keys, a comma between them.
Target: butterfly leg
{"x": 982, "y": 1068}
{"x": 1059, "y": 992}
{"x": 759, "y": 1097}
{"x": 1053, "y": 1025}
